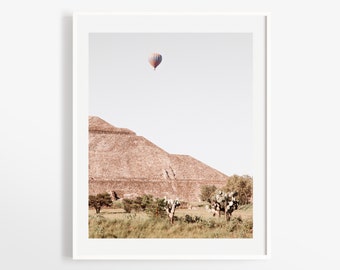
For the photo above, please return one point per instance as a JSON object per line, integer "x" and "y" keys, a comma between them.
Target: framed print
{"x": 170, "y": 136}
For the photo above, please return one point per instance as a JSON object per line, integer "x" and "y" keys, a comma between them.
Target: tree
{"x": 244, "y": 187}
{"x": 100, "y": 200}
{"x": 207, "y": 192}
{"x": 154, "y": 207}
{"x": 137, "y": 204}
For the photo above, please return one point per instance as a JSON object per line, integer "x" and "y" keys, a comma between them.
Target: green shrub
{"x": 154, "y": 207}
{"x": 190, "y": 219}
{"x": 129, "y": 205}
{"x": 118, "y": 204}
{"x": 207, "y": 192}
{"x": 100, "y": 200}
{"x": 234, "y": 224}
{"x": 244, "y": 187}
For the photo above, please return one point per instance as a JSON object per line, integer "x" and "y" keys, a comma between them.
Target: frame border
{"x": 267, "y": 120}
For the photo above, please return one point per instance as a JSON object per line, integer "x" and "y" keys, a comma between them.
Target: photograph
{"x": 170, "y": 135}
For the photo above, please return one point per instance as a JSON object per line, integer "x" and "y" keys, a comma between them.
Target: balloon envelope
{"x": 155, "y": 59}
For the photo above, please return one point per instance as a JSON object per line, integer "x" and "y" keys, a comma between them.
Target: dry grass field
{"x": 196, "y": 222}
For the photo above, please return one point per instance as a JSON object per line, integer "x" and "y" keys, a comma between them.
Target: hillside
{"x": 131, "y": 165}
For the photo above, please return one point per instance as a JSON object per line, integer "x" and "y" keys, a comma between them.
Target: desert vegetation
{"x": 193, "y": 225}
{"x": 242, "y": 184}
{"x": 244, "y": 187}
{"x": 100, "y": 200}
{"x": 207, "y": 192}
{"x": 146, "y": 216}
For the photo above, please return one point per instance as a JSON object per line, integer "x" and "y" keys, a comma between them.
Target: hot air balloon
{"x": 155, "y": 59}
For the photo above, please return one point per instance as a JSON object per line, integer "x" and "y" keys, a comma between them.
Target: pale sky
{"x": 198, "y": 102}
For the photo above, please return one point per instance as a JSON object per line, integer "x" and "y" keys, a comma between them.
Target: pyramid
{"x": 131, "y": 165}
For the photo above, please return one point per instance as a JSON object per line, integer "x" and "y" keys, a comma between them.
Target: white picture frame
{"x": 172, "y": 249}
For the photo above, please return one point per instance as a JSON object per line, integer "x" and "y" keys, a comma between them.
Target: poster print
{"x": 170, "y": 124}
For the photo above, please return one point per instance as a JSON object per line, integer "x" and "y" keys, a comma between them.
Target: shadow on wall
{"x": 66, "y": 135}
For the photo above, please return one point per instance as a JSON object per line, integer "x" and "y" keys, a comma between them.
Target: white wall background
{"x": 36, "y": 131}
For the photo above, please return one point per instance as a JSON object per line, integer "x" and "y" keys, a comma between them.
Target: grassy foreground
{"x": 197, "y": 223}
